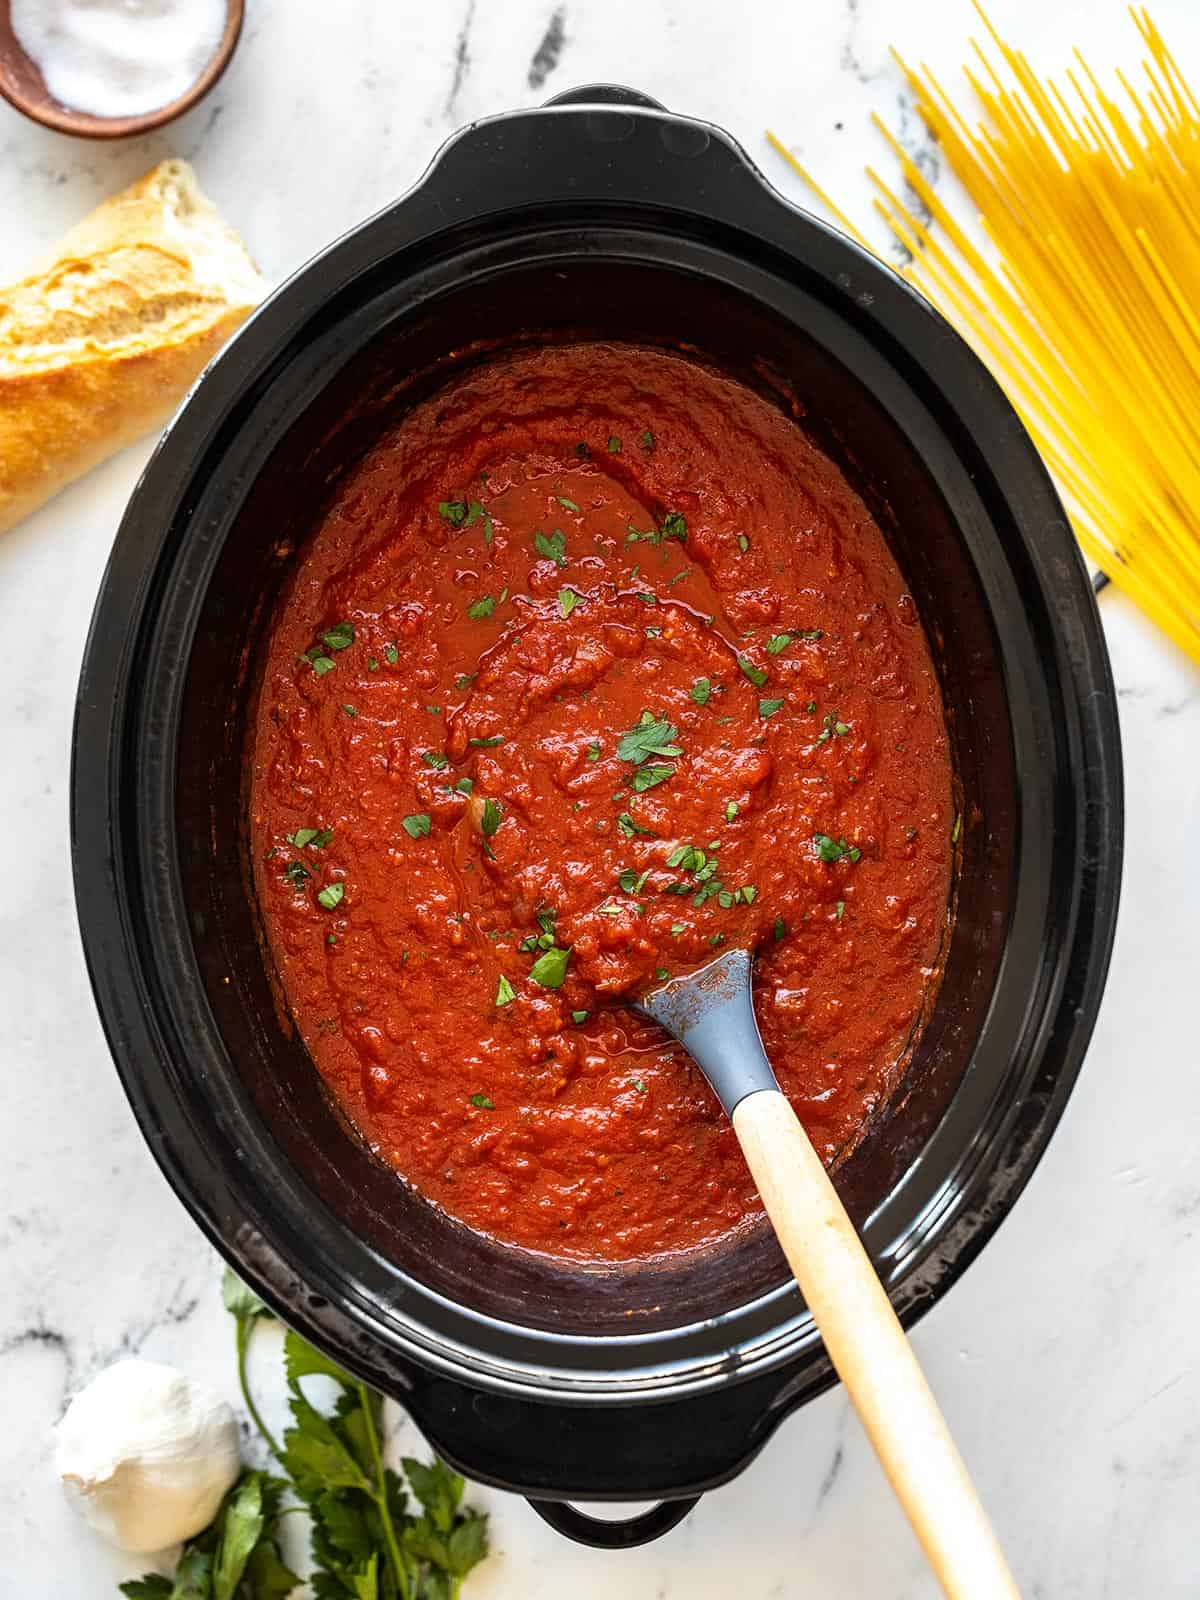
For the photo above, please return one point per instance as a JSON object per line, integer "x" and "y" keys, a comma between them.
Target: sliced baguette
{"x": 101, "y": 344}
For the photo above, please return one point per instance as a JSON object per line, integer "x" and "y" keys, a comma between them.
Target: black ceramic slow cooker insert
{"x": 597, "y": 217}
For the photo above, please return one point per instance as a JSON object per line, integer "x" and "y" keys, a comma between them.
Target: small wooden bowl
{"x": 22, "y": 85}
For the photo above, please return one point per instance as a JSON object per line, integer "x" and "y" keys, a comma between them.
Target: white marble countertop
{"x": 1067, "y": 1357}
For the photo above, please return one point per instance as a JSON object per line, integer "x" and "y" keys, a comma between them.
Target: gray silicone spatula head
{"x": 711, "y": 1013}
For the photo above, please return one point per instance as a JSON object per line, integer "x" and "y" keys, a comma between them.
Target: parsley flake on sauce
{"x": 648, "y": 777}
{"x": 674, "y": 526}
{"x": 435, "y": 759}
{"x": 650, "y": 736}
{"x": 418, "y": 825}
{"x": 392, "y": 654}
{"x": 701, "y": 691}
{"x": 317, "y": 837}
{"x": 553, "y": 548}
{"x": 339, "y": 637}
{"x": 731, "y": 811}
{"x": 833, "y": 727}
{"x": 491, "y": 819}
{"x": 835, "y": 849}
{"x": 627, "y": 827}
{"x": 331, "y": 895}
{"x": 505, "y": 993}
{"x": 567, "y": 505}
{"x": 768, "y": 708}
{"x": 320, "y": 664}
{"x": 454, "y": 511}
{"x": 296, "y": 873}
{"x": 614, "y": 445}
{"x": 780, "y": 929}
{"x": 631, "y": 882}
{"x": 648, "y": 441}
{"x": 743, "y": 542}
{"x": 483, "y": 607}
{"x": 488, "y": 744}
{"x": 593, "y": 751}
{"x": 580, "y": 1017}
{"x": 550, "y": 968}
{"x": 567, "y": 601}
{"x": 757, "y": 675}
{"x": 482, "y": 1101}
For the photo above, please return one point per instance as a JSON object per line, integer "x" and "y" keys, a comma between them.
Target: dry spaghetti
{"x": 1092, "y": 319}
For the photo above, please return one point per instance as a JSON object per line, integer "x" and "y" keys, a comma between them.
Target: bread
{"x": 101, "y": 344}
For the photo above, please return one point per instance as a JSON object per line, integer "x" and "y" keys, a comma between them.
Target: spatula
{"x": 711, "y": 1013}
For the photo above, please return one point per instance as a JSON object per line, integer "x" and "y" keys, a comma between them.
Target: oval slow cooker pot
{"x": 603, "y": 217}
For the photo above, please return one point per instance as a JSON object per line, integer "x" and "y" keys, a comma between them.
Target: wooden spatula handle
{"x": 871, "y": 1352}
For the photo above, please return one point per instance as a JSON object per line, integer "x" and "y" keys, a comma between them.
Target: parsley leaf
{"x": 417, "y": 825}
{"x": 647, "y": 777}
{"x": 580, "y": 1017}
{"x": 553, "y": 548}
{"x": 648, "y": 441}
{"x": 339, "y": 637}
{"x": 778, "y": 642}
{"x": 627, "y": 827}
{"x": 674, "y": 526}
{"x": 505, "y": 993}
{"x": 435, "y": 759}
{"x": 488, "y": 744}
{"x": 454, "y": 511}
{"x": 491, "y": 819}
{"x": 332, "y": 895}
{"x": 483, "y": 607}
{"x": 651, "y": 736}
{"x": 550, "y": 968}
{"x": 701, "y": 691}
{"x": 614, "y": 445}
{"x": 593, "y": 751}
{"x": 567, "y": 601}
{"x": 482, "y": 1101}
{"x": 835, "y": 849}
{"x": 567, "y": 505}
{"x": 392, "y": 654}
{"x": 757, "y": 675}
{"x": 768, "y": 708}
{"x": 296, "y": 872}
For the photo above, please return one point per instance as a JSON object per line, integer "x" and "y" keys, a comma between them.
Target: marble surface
{"x": 1067, "y": 1358}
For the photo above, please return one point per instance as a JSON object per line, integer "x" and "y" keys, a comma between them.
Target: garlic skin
{"x": 146, "y": 1455}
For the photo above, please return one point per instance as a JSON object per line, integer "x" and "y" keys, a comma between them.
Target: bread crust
{"x": 100, "y": 345}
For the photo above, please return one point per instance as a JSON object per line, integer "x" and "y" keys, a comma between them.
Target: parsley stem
{"x": 244, "y": 1325}
{"x": 380, "y": 1497}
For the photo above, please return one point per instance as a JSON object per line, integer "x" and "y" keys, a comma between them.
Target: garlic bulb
{"x": 146, "y": 1454}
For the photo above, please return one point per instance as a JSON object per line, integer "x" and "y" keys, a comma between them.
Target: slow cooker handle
{"x": 603, "y": 1533}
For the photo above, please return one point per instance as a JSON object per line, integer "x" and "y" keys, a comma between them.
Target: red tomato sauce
{"x": 594, "y": 666}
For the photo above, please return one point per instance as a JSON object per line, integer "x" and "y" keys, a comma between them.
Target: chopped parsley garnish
{"x": 454, "y": 511}
{"x": 757, "y": 675}
{"x": 632, "y": 882}
{"x": 780, "y": 929}
{"x": 645, "y": 597}
{"x": 638, "y": 1084}
{"x": 550, "y": 968}
{"x": 743, "y": 542}
{"x": 392, "y": 654}
{"x": 768, "y": 708}
{"x": 464, "y": 680}
{"x": 648, "y": 777}
{"x": 677, "y": 928}
{"x": 833, "y": 726}
{"x": 778, "y": 642}
{"x": 296, "y": 873}
{"x": 731, "y": 811}
{"x": 627, "y": 827}
{"x": 351, "y": 711}
{"x": 464, "y": 786}
{"x": 488, "y": 744}
{"x": 331, "y": 895}
{"x": 553, "y": 548}
{"x": 700, "y": 691}
{"x": 650, "y": 736}
{"x": 674, "y": 526}
{"x": 811, "y": 706}
{"x": 483, "y": 607}
{"x": 841, "y": 907}
{"x": 319, "y": 663}
{"x": 339, "y": 637}
{"x": 481, "y": 1100}
{"x": 593, "y": 751}
{"x": 317, "y": 837}
{"x": 505, "y": 993}
{"x": 684, "y": 572}
{"x": 662, "y": 974}
{"x": 614, "y": 445}
{"x": 580, "y": 1017}
{"x": 748, "y": 893}
{"x": 647, "y": 440}
{"x": 716, "y": 938}
{"x": 435, "y": 759}
{"x": 835, "y": 849}
{"x": 434, "y": 711}
{"x": 567, "y": 601}
{"x": 567, "y": 505}
{"x": 417, "y": 825}
{"x": 372, "y": 664}
{"x": 491, "y": 819}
